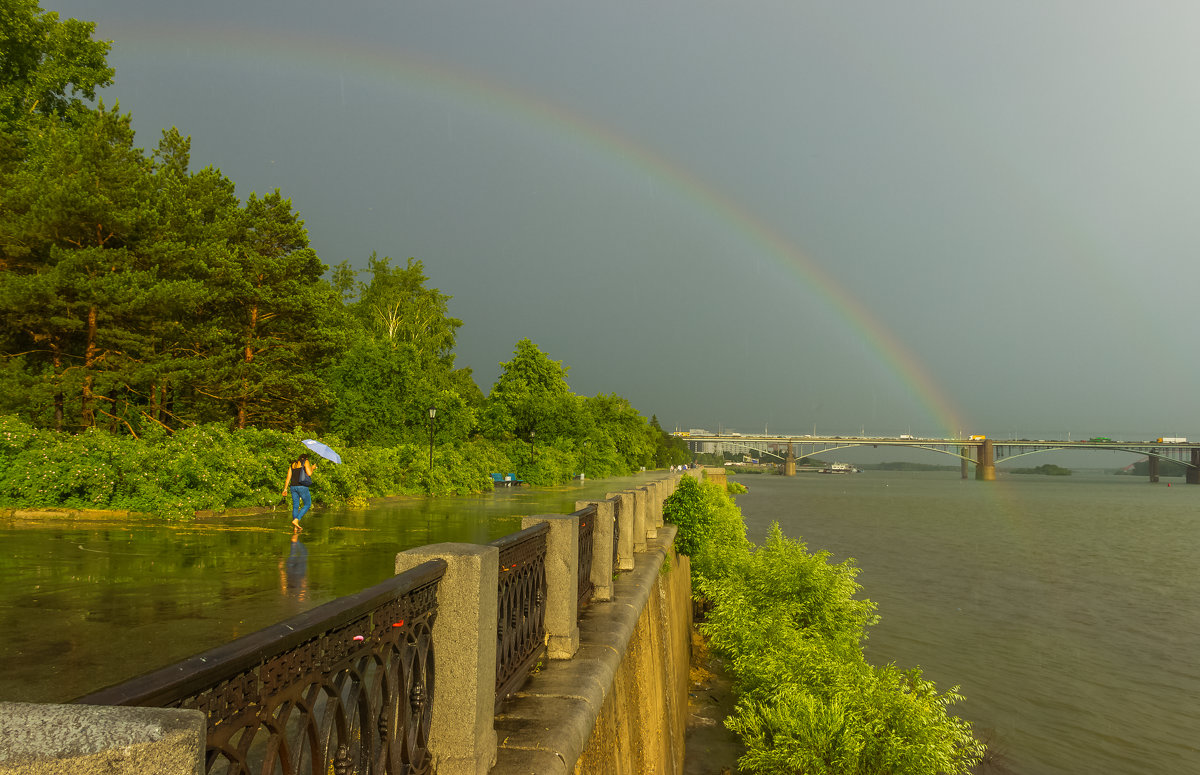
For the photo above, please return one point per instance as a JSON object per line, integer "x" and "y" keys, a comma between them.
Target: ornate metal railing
{"x": 587, "y": 532}
{"x": 521, "y": 607}
{"x": 345, "y": 688}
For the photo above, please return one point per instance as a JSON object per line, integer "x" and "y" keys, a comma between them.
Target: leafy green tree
{"x": 399, "y": 361}
{"x": 531, "y": 396}
{"x": 397, "y": 306}
{"x": 270, "y": 307}
{"x": 77, "y": 211}
{"x": 668, "y": 450}
{"x": 47, "y": 65}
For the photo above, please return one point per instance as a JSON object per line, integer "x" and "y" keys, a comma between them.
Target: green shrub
{"x": 790, "y": 625}
{"x": 687, "y": 509}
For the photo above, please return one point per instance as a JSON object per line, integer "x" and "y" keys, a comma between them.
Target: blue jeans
{"x": 300, "y": 495}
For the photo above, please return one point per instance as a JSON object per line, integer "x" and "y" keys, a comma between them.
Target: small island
{"x": 1049, "y": 469}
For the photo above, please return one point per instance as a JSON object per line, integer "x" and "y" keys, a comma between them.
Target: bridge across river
{"x": 981, "y": 452}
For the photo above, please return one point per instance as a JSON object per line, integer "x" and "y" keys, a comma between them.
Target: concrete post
{"x": 625, "y": 539}
{"x": 94, "y": 739}
{"x": 639, "y": 519}
{"x": 602, "y": 546}
{"x": 658, "y": 493}
{"x": 562, "y": 583}
{"x": 462, "y": 734}
{"x": 646, "y": 493}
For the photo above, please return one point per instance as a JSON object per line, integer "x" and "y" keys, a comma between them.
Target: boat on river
{"x": 838, "y": 468}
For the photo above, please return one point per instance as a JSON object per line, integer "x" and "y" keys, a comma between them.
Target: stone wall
{"x": 641, "y": 725}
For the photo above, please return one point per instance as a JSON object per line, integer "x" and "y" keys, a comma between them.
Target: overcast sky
{"x": 916, "y": 217}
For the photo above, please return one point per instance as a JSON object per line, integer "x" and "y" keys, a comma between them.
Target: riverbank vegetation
{"x": 164, "y": 345}
{"x": 790, "y": 627}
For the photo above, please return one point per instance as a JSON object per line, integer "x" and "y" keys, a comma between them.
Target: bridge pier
{"x": 985, "y": 469}
{"x": 1193, "y": 472}
{"x": 1152, "y": 461}
{"x": 789, "y": 463}
{"x": 963, "y": 462}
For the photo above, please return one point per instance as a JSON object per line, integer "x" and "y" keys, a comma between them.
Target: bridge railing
{"x": 349, "y": 687}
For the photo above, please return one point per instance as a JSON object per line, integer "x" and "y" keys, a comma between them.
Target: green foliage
{"x": 687, "y": 509}
{"x": 45, "y": 62}
{"x": 790, "y": 625}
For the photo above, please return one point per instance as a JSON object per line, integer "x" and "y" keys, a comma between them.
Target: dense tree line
{"x": 139, "y": 296}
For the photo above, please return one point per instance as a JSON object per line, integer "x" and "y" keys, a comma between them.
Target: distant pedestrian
{"x": 299, "y": 479}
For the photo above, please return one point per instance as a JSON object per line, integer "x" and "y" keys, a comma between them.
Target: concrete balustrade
{"x": 626, "y": 522}
{"x": 462, "y": 737}
{"x": 562, "y": 583}
{"x": 589, "y": 705}
{"x": 602, "y": 548}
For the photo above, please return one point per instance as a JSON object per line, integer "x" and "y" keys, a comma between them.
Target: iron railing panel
{"x": 520, "y": 607}
{"x": 587, "y": 533}
{"x": 346, "y": 687}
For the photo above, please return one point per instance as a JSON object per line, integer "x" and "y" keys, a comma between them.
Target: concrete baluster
{"x": 639, "y": 519}
{"x": 661, "y": 490}
{"x": 646, "y": 494}
{"x": 625, "y": 538}
{"x": 602, "y": 545}
{"x": 462, "y": 734}
{"x": 562, "y": 583}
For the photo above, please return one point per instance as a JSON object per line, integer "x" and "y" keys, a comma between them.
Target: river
{"x": 1067, "y": 608}
{"x": 86, "y": 604}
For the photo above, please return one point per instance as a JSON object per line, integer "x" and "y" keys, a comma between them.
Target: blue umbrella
{"x": 322, "y": 450}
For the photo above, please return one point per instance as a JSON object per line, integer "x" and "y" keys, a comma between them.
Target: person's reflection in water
{"x": 293, "y": 571}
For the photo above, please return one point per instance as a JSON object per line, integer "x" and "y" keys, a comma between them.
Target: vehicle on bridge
{"x": 1172, "y": 440}
{"x": 978, "y": 437}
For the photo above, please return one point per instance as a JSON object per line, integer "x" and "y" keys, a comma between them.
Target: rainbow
{"x": 331, "y": 54}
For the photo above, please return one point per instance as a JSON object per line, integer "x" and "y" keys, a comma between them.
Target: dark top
{"x": 300, "y": 477}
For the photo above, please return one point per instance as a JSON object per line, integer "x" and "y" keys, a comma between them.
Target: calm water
{"x": 87, "y": 604}
{"x": 1067, "y": 609}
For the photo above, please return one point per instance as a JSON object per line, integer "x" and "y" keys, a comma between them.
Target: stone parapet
{"x": 618, "y": 706}
{"x": 602, "y": 548}
{"x": 562, "y": 582}
{"x": 462, "y": 738}
{"x": 96, "y": 740}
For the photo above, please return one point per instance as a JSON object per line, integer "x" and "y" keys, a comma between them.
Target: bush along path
{"x": 790, "y": 629}
{"x": 211, "y": 468}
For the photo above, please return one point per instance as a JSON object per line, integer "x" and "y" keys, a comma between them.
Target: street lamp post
{"x": 432, "y": 414}
{"x": 533, "y": 446}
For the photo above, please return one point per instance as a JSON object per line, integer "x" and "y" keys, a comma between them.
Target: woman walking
{"x": 299, "y": 479}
